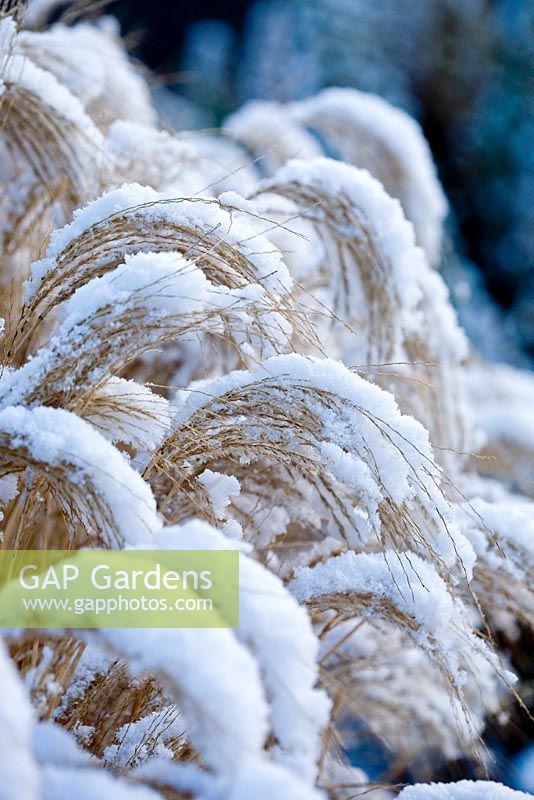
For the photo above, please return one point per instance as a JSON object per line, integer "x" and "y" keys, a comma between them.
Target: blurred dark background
{"x": 464, "y": 68}
{"x": 162, "y": 26}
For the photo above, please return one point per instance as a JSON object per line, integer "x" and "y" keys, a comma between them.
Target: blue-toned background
{"x": 464, "y": 68}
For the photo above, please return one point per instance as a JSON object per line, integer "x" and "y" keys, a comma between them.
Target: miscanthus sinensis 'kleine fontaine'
{"x": 230, "y": 341}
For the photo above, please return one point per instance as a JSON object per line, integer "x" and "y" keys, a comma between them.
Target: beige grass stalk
{"x": 354, "y": 260}
{"x": 353, "y": 252}
{"x": 273, "y": 449}
{"x": 103, "y": 246}
{"x": 50, "y": 144}
{"x": 57, "y": 510}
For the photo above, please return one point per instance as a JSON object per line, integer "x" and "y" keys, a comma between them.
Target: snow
{"x": 21, "y": 73}
{"x": 213, "y": 677}
{"x": 395, "y": 233}
{"x": 394, "y": 680}
{"x": 168, "y": 283}
{"x": 8, "y": 33}
{"x": 401, "y": 464}
{"x": 93, "y": 663}
{"x": 193, "y": 165}
{"x": 37, "y": 11}
{"x": 221, "y": 488}
{"x": 18, "y": 768}
{"x": 56, "y": 438}
{"x": 446, "y": 338}
{"x": 205, "y": 215}
{"x": 182, "y": 777}
{"x": 164, "y": 287}
{"x": 228, "y": 165}
{"x": 361, "y": 505}
{"x": 280, "y": 635}
{"x": 90, "y": 61}
{"x": 267, "y": 130}
{"x": 63, "y": 783}
{"x": 263, "y": 781}
{"x": 257, "y": 778}
{"x": 442, "y": 627}
{"x": 145, "y": 739}
{"x": 54, "y": 746}
{"x": 125, "y": 411}
{"x": 418, "y": 299}
{"x": 330, "y": 376}
{"x": 412, "y": 585}
{"x": 129, "y": 140}
{"x": 157, "y": 158}
{"x": 55, "y": 49}
{"x": 509, "y": 520}
{"x": 423, "y": 198}
{"x": 463, "y": 790}
{"x": 501, "y": 400}
{"x": 8, "y": 488}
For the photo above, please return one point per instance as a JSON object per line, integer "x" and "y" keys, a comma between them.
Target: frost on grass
{"x": 210, "y": 344}
{"x": 89, "y": 478}
{"x": 369, "y": 132}
{"x": 371, "y": 467}
{"x": 280, "y": 635}
{"x": 463, "y": 790}
{"x": 375, "y": 281}
{"x": 20, "y": 776}
{"x": 163, "y": 295}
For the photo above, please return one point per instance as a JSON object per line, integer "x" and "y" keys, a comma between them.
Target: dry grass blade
{"x": 354, "y": 263}
{"x": 150, "y": 300}
{"x": 75, "y": 487}
{"x": 287, "y": 458}
{"x": 56, "y": 511}
{"x": 387, "y": 305}
{"x": 365, "y": 130}
{"x": 160, "y": 226}
{"x": 46, "y": 138}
